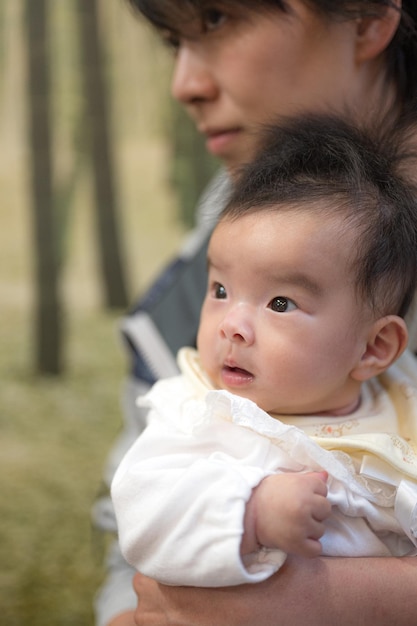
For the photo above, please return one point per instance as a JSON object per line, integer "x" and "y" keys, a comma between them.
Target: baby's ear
{"x": 387, "y": 340}
{"x": 374, "y": 33}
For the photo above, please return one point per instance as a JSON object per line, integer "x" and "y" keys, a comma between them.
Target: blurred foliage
{"x": 192, "y": 166}
{"x": 56, "y": 432}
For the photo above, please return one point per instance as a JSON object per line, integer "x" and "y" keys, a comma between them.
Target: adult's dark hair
{"x": 174, "y": 15}
{"x": 323, "y": 163}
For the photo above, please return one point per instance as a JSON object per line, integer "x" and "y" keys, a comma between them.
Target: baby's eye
{"x": 212, "y": 19}
{"x": 280, "y": 304}
{"x": 219, "y": 291}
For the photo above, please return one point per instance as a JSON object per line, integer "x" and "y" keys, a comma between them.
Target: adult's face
{"x": 250, "y": 66}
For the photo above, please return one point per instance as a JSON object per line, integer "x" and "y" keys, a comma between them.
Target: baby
{"x": 290, "y": 430}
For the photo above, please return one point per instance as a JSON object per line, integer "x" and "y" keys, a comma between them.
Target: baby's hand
{"x": 287, "y": 512}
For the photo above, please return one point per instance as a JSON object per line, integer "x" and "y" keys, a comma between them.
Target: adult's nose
{"x": 193, "y": 81}
{"x": 237, "y": 325}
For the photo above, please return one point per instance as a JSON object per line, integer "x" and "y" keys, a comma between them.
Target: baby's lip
{"x": 232, "y": 363}
{"x": 237, "y": 369}
{"x": 234, "y": 376}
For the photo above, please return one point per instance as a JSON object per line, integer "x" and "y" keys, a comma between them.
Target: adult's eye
{"x": 219, "y": 291}
{"x": 280, "y": 304}
{"x": 212, "y": 19}
{"x": 171, "y": 39}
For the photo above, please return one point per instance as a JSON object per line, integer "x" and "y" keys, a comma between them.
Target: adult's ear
{"x": 387, "y": 340}
{"x": 374, "y": 33}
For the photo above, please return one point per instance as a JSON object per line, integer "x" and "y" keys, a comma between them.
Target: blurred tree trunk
{"x": 98, "y": 135}
{"x": 47, "y": 316}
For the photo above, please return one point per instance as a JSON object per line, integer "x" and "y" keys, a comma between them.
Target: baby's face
{"x": 281, "y": 323}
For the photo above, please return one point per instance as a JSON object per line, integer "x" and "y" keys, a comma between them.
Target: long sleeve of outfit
{"x": 180, "y": 492}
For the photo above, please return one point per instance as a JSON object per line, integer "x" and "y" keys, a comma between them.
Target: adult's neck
{"x": 377, "y": 99}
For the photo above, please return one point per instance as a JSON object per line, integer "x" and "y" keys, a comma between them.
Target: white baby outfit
{"x": 181, "y": 490}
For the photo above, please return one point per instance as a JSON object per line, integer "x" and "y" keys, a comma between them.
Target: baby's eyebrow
{"x": 298, "y": 279}
{"x": 209, "y": 263}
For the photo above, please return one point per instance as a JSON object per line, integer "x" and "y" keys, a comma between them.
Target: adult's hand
{"x": 245, "y": 605}
{"x": 124, "y": 619}
{"x": 328, "y": 590}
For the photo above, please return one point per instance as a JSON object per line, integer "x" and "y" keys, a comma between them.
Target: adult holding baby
{"x": 238, "y": 66}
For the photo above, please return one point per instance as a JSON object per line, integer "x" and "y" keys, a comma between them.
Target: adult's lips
{"x": 219, "y": 139}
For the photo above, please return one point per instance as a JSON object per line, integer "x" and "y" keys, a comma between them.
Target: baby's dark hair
{"x": 323, "y": 163}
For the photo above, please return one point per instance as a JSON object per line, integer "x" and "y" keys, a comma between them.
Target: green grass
{"x": 55, "y": 434}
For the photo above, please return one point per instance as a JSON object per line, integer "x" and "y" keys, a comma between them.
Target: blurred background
{"x": 99, "y": 174}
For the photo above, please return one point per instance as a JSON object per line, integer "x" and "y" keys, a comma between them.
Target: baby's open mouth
{"x": 236, "y": 376}
{"x": 237, "y": 370}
